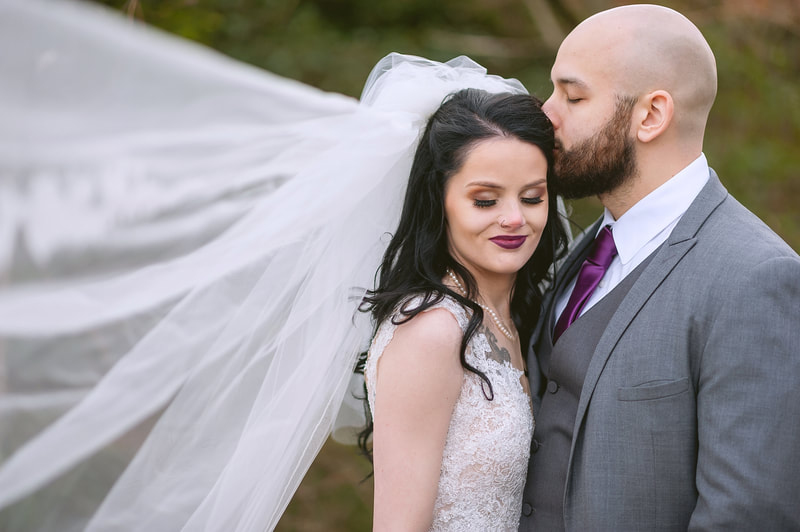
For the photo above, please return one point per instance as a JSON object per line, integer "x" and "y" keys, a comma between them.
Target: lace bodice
{"x": 488, "y": 443}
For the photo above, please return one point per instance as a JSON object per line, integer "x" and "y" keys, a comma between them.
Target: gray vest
{"x": 564, "y": 367}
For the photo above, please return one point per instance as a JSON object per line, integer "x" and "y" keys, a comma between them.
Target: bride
{"x": 184, "y": 242}
{"x": 457, "y": 294}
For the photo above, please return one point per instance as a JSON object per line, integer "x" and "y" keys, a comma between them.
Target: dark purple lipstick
{"x": 509, "y": 242}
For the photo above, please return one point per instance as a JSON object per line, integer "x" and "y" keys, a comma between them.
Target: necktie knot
{"x": 603, "y": 249}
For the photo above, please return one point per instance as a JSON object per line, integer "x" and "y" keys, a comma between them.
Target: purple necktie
{"x": 594, "y": 267}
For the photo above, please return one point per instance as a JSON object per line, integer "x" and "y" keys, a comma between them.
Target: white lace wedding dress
{"x": 488, "y": 443}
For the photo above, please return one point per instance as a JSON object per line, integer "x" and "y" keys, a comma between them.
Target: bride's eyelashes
{"x": 480, "y": 203}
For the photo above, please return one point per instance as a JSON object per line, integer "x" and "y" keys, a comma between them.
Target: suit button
{"x": 552, "y": 386}
{"x": 527, "y": 510}
{"x": 534, "y": 446}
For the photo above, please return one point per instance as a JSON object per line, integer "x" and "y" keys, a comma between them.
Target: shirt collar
{"x": 658, "y": 210}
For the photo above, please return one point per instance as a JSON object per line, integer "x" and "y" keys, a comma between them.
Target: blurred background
{"x": 752, "y": 141}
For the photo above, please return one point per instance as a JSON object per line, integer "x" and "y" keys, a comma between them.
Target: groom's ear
{"x": 655, "y": 110}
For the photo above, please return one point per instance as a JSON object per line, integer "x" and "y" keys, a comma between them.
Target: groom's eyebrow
{"x": 571, "y": 81}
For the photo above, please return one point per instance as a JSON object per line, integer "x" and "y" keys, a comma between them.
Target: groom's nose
{"x": 549, "y": 109}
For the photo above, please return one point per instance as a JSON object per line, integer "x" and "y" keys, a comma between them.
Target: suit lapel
{"x": 680, "y": 241}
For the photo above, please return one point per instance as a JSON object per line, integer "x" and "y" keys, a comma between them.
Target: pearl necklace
{"x": 508, "y": 334}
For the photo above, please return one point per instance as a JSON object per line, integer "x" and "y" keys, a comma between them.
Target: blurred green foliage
{"x": 753, "y": 137}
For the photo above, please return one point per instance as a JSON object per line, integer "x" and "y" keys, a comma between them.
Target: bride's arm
{"x": 418, "y": 382}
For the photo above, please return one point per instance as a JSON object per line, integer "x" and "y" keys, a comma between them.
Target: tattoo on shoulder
{"x": 499, "y": 352}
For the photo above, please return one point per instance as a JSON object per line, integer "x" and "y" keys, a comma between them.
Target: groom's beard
{"x": 601, "y": 163}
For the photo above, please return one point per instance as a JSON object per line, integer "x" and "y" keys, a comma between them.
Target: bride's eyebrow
{"x": 489, "y": 184}
{"x": 536, "y": 183}
{"x": 486, "y": 184}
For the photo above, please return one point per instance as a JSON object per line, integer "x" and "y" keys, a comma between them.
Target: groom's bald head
{"x": 641, "y": 48}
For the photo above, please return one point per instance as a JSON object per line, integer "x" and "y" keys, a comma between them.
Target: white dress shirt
{"x": 644, "y": 227}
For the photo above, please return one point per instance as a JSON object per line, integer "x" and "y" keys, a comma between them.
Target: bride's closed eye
{"x": 490, "y": 203}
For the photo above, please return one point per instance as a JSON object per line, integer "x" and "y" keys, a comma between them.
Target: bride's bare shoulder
{"x": 421, "y": 366}
{"x": 432, "y": 337}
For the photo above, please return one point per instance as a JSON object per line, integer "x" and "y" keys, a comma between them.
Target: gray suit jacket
{"x": 689, "y": 416}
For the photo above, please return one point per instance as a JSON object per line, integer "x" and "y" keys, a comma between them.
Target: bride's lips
{"x": 509, "y": 242}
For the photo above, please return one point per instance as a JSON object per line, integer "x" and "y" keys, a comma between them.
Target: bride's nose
{"x": 512, "y": 218}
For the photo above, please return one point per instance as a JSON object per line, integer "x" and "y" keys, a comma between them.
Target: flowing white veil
{"x": 184, "y": 241}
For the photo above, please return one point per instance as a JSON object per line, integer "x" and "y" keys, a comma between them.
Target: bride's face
{"x": 496, "y": 206}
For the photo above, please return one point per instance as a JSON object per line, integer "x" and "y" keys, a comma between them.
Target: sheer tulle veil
{"x": 184, "y": 241}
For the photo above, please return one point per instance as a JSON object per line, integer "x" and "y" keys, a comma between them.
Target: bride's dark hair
{"x": 417, "y": 257}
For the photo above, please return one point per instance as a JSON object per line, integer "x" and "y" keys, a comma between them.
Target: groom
{"x": 669, "y": 352}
